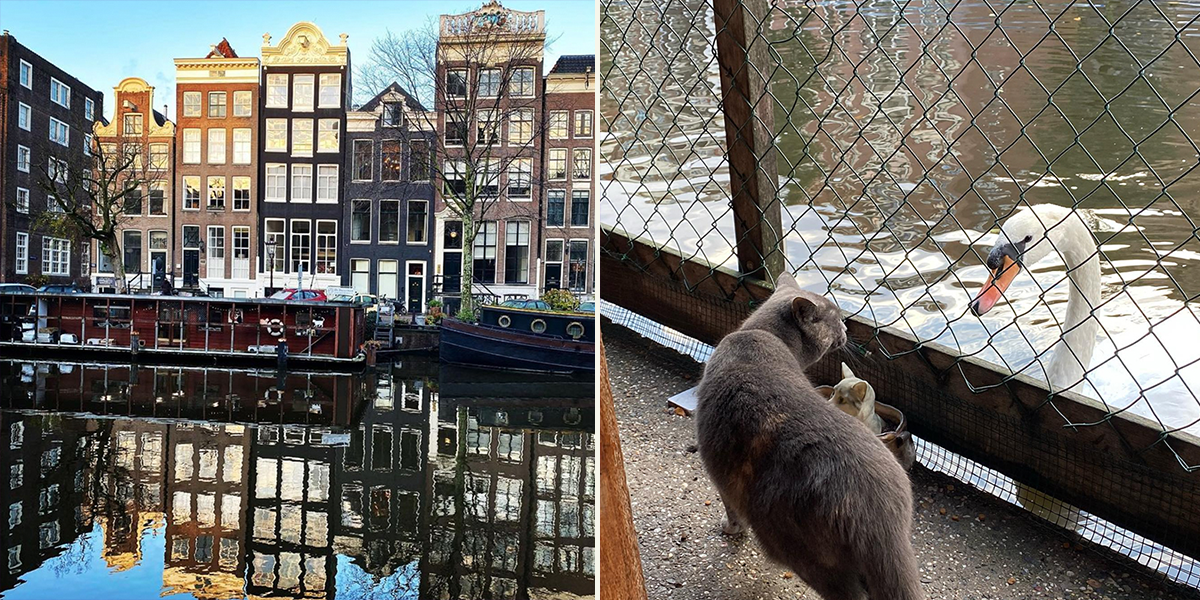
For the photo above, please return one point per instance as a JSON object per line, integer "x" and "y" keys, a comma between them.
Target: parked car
{"x": 60, "y": 288}
{"x": 370, "y": 301}
{"x": 587, "y": 307}
{"x": 294, "y": 294}
{"x": 16, "y": 288}
{"x": 530, "y": 304}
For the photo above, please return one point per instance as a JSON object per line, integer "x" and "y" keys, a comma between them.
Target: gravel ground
{"x": 970, "y": 545}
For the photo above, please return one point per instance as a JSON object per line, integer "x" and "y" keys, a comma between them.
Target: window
{"x": 454, "y": 175}
{"x": 391, "y": 155}
{"x": 555, "y": 208}
{"x": 302, "y": 137}
{"x": 58, "y": 170}
{"x": 274, "y": 233}
{"x": 302, "y": 92}
{"x": 389, "y": 221}
{"x": 520, "y": 179}
{"x": 60, "y": 93}
{"x": 60, "y": 133}
{"x": 581, "y": 163}
{"x": 22, "y": 253}
{"x": 241, "y": 253}
{"x": 276, "y": 135}
{"x": 363, "y": 160}
{"x": 522, "y": 83}
{"x": 89, "y": 109}
{"x": 132, "y": 245}
{"x": 559, "y": 124}
{"x": 158, "y": 199}
{"x": 485, "y": 253}
{"x": 216, "y": 193}
{"x": 191, "y": 193}
{"x": 360, "y": 275}
{"x": 53, "y": 205}
{"x": 579, "y": 208}
{"x": 456, "y": 83}
{"x": 133, "y": 202}
{"x": 87, "y": 144}
{"x": 301, "y": 183}
{"x": 22, "y": 200}
{"x": 243, "y": 103}
{"x": 277, "y": 91}
{"x": 276, "y": 185}
{"x": 489, "y": 128}
{"x": 456, "y": 131}
{"x": 516, "y": 252}
{"x": 26, "y": 75}
{"x": 360, "y": 221}
{"x": 158, "y": 252}
{"x": 24, "y": 116}
{"x": 418, "y": 160}
{"x": 577, "y": 269}
{"x": 56, "y": 256}
{"x": 417, "y": 212}
{"x": 393, "y": 114}
{"x": 216, "y": 105}
{"x": 216, "y": 254}
{"x": 389, "y": 279}
{"x": 191, "y": 146}
{"x": 328, "y": 135}
{"x": 191, "y": 104}
{"x": 216, "y": 146}
{"x": 327, "y": 247}
{"x": 22, "y": 159}
{"x": 489, "y": 83}
{"x": 301, "y": 244}
{"x": 241, "y": 146}
{"x": 241, "y": 193}
{"x": 488, "y": 178}
{"x": 132, "y": 124}
{"x": 520, "y": 127}
{"x": 160, "y": 156}
{"x": 583, "y": 123}
{"x": 327, "y": 183}
{"x": 556, "y": 166}
{"x": 331, "y": 90}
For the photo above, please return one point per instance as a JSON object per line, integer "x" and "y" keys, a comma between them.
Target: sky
{"x": 101, "y": 43}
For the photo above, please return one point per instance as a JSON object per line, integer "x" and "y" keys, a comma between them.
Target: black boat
{"x": 522, "y": 339}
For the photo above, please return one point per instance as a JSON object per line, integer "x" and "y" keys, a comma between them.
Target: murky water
{"x": 907, "y": 131}
{"x": 400, "y": 482}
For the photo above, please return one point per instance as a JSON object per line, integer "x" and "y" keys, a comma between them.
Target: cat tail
{"x": 895, "y": 577}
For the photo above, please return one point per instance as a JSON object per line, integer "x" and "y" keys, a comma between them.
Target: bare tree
{"x": 87, "y": 197}
{"x": 481, "y": 73}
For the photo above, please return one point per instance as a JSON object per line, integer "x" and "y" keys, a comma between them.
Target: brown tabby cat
{"x": 822, "y": 494}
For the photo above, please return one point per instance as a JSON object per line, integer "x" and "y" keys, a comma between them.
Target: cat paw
{"x": 729, "y": 528}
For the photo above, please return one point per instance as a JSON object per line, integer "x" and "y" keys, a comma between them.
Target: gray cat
{"x": 822, "y": 494}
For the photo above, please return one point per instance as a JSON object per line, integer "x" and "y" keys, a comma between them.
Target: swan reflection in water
{"x": 347, "y": 485}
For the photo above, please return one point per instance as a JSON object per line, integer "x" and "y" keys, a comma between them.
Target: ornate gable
{"x": 304, "y": 44}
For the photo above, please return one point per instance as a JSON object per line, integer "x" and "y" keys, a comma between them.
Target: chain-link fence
{"x": 912, "y": 159}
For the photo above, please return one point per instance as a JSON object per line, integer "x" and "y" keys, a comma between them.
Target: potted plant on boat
{"x": 435, "y": 308}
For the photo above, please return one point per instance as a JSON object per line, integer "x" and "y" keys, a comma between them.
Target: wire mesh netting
{"x": 928, "y": 154}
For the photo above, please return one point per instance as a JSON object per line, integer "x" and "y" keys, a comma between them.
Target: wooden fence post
{"x": 620, "y": 563}
{"x": 749, "y": 136}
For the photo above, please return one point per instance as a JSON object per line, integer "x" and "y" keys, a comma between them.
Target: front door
{"x": 452, "y": 265}
{"x": 191, "y": 267}
{"x": 416, "y": 287}
{"x": 553, "y": 276}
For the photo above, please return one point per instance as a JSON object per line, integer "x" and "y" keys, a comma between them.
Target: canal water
{"x": 905, "y": 131}
{"x": 409, "y": 480}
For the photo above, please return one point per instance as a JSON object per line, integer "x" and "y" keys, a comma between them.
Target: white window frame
{"x": 88, "y": 141}
{"x": 26, "y": 69}
{"x": 499, "y": 73}
{"x": 53, "y": 259}
{"x": 326, "y": 175}
{"x": 22, "y": 200}
{"x": 532, "y": 82}
{"x": 370, "y": 220}
{"x": 559, "y": 121}
{"x": 267, "y": 185}
{"x": 242, "y": 148}
{"x": 199, "y": 192}
{"x": 316, "y": 244}
{"x": 248, "y": 104}
{"x": 281, "y": 238}
{"x": 523, "y": 166}
{"x": 60, "y": 132}
{"x": 208, "y": 196}
{"x": 192, "y": 148}
{"x": 337, "y": 135}
{"x": 337, "y": 86}
{"x": 566, "y": 154}
{"x": 399, "y": 221}
{"x": 291, "y": 246}
{"x": 233, "y": 197}
{"x": 211, "y": 248}
{"x": 570, "y": 216}
{"x": 292, "y": 184}
{"x": 24, "y": 116}
{"x": 160, "y": 151}
{"x": 297, "y": 150}
{"x": 188, "y": 109}
{"x": 299, "y": 102}
{"x": 22, "y": 255}
{"x": 60, "y": 86}
{"x": 280, "y": 133}
{"x": 424, "y": 222}
{"x": 591, "y": 124}
{"x": 23, "y": 152}
{"x": 89, "y": 109}
{"x": 217, "y": 148}
{"x": 466, "y": 77}
{"x": 587, "y": 263}
{"x": 281, "y": 83}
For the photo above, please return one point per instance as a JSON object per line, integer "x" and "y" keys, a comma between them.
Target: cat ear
{"x": 803, "y": 309}
{"x": 860, "y": 389}
{"x": 786, "y": 279}
{"x": 846, "y": 372}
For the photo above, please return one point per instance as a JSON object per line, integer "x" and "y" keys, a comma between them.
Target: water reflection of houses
{"x": 125, "y": 494}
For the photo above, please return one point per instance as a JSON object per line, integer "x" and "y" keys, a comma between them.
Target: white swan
{"x": 1027, "y": 238}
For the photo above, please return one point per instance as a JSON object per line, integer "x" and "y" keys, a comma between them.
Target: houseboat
{"x": 190, "y": 329}
{"x": 522, "y": 339}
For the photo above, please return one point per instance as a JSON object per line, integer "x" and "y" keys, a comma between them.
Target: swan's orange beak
{"x": 997, "y": 282}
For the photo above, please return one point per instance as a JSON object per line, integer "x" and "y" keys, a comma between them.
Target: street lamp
{"x": 271, "y": 257}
